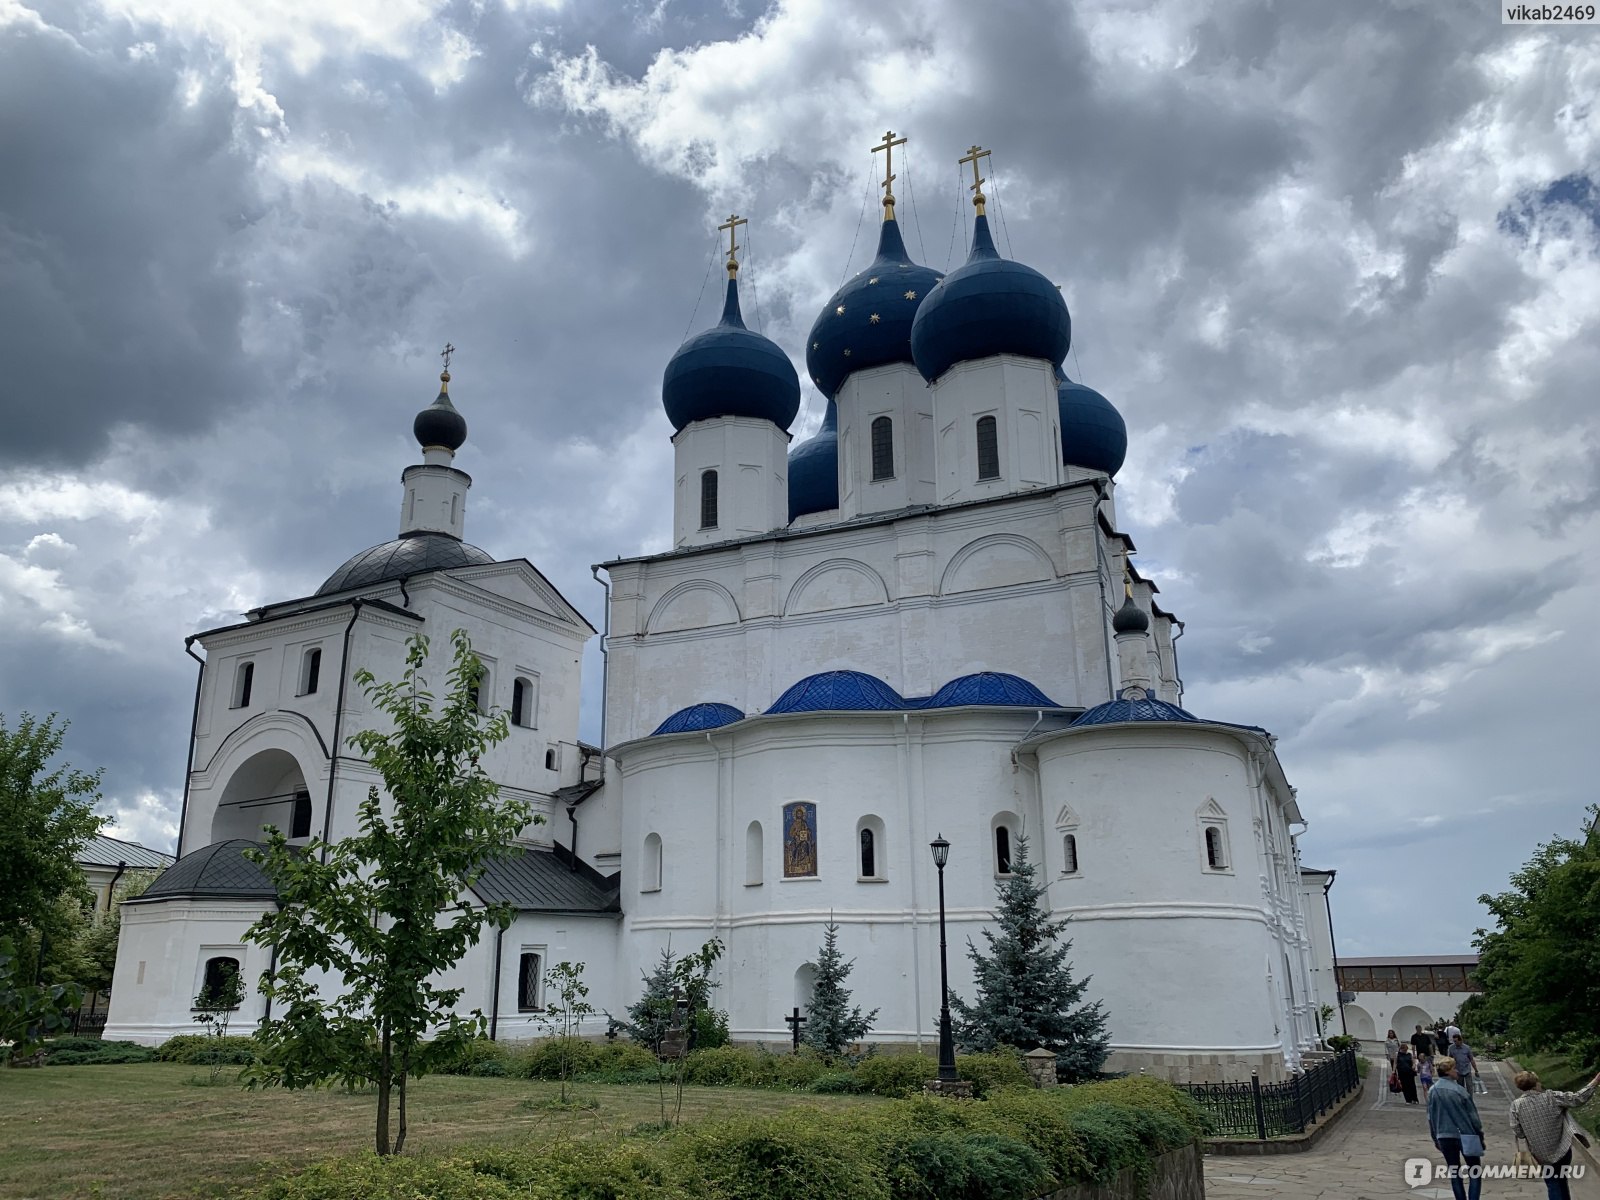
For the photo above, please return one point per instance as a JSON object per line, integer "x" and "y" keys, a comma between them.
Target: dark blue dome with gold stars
{"x": 1093, "y": 433}
{"x": 868, "y": 321}
{"x": 989, "y": 305}
{"x": 814, "y": 469}
{"x": 730, "y": 371}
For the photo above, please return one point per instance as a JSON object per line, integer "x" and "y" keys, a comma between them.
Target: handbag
{"x": 1471, "y": 1145}
{"x": 1576, "y": 1130}
{"x": 1394, "y": 1081}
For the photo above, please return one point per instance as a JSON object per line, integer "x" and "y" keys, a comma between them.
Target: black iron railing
{"x": 1267, "y": 1110}
{"x": 88, "y": 1024}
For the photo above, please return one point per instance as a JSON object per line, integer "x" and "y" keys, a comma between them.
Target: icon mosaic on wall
{"x": 799, "y": 839}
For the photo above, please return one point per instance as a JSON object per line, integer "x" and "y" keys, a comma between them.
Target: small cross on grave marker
{"x": 794, "y": 1020}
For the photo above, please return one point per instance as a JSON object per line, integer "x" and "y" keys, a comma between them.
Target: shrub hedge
{"x": 1015, "y": 1145}
{"x": 202, "y": 1049}
{"x": 92, "y": 1052}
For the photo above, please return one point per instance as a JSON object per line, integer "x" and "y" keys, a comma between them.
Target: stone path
{"x": 1363, "y": 1157}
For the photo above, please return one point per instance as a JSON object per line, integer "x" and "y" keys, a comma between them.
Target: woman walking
{"x": 1406, "y": 1068}
{"x": 1456, "y": 1129}
{"x": 1425, "y": 1075}
{"x": 1391, "y": 1048}
{"x": 1542, "y": 1122}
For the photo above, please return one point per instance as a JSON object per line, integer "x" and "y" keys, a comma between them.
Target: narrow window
{"x": 455, "y": 509}
{"x": 651, "y": 876}
{"x": 708, "y": 500}
{"x": 219, "y": 971}
{"x": 1069, "y": 854}
{"x": 1215, "y": 858}
{"x": 988, "y": 448}
{"x": 869, "y": 858}
{"x": 310, "y": 671}
{"x": 522, "y": 703}
{"x": 300, "y": 817}
{"x": 479, "y": 691}
{"x": 882, "y": 448}
{"x": 753, "y": 854}
{"x": 242, "y": 683}
{"x": 550, "y": 760}
{"x": 1002, "y": 850}
{"x": 528, "y": 980}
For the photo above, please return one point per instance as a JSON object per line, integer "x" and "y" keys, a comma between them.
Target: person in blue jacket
{"x": 1456, "y": 1128}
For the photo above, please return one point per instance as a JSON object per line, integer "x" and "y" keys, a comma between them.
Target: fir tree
{"x": 831, "y": 1022}
{"x": 1027, "y": 997}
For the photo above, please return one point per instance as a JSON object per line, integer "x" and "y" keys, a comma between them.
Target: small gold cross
{"x": 732, "y": 226}
{"x": 887, "y": 146}
{"x": 973, "y": 156}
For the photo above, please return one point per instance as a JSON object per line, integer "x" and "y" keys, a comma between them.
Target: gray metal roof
{"x": 409, "y": 555}
{"x": 219, "y": 871}
{"x": 537, "y": 880}
{"x": 109, "y": 852}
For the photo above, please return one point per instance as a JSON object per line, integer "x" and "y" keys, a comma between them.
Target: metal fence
{"x": 89, "y": 1024}
{"x": 1265, "y": 1110}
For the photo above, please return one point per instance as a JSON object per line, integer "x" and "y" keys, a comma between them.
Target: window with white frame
{"x": 300, "y": 815}
{"x": 871, "y": 849}
{"x": 988, "y": 434}
{"x": 530, "y": 981}
{"x": 1069, "y": 854}
{"x": 754, "y": 852}
{"x": 650, "y": 864}
{"x": 1215, "y": 852}
{"x": 216, "y": 978}
{"x": 525, "y": 701}
{"x": 882, "y": 448}
{"x": 244, "y": 679}
{"x": 310, "y": 671}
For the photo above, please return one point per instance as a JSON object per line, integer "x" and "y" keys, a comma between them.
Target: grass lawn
{"x": 1560, "y": 1075}
{"x": 140, "y": 1131}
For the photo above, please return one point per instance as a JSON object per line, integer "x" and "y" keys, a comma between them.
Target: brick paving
{"x": 1362, "y": 1157}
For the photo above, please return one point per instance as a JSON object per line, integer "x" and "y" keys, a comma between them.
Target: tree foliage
{"x": 566, "y": 1004}
{"x": 1540, "y": 965}
{"x": 673, "y": 978}
{"x": 832, "y": 1023}
{"x": 382, "y": 912}
{"x": 1026, "y": 995}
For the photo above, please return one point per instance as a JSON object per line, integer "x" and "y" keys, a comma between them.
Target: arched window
{"x": 529, "y": 977}
{"x": 1002, "y": 850}
{"x": 300, "y": 816}
{"x": 524, "y": 698}
{"x": 310, "y": 670}
{"x": 650, "y": 866}
{"x": 708, "y": 500}
{"x": 988, "y": 448}
{"x": 219, "y": 973}
{"x": 753, "y": 864}
{"x": 882, "y": 448}
{"x": 869, "y": 855}
{"x": 243, "y": 679}
{"x": 1216, "y": 852}
{"x": 871, "y": 849}
{"x": 479, "y": 691}
{"x": 552, "y": 761}
{"x": 455, "y": 509}
{"x": 1069, "y": 854}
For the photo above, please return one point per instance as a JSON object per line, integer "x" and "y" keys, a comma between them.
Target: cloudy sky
{"x": 1338, "y": 265}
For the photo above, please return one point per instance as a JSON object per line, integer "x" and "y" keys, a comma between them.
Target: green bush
{"x": 965, "y": 1165}
{"x": 895, "y": 1074}
{"x": 1039, "y": 1118}
{"x": 543, "y": 1059}
{"x": 729, "y": 1066}
{"x": 102, "y": 1054}
{"x": 835, "y": 1083}
{"x": 1342, "y": 1041}
{"x": 396, "y": 1178}
{"x": 79, "y": 1043}
{"x": 796, "y": 1155}
{"x": 489, "y": 1068}
{"x": 203, "y": 1049}
{"x": 1135, "y": 1092}
{"x": 477, "y": 1053}
{"x": 997, "y": 1069}
{"x": 583, "y": 1170}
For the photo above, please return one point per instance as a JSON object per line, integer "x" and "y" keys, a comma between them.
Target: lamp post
{"x": 947, "y": 1046}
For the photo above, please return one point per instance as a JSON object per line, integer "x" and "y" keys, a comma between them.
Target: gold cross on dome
{"x": 732, "y": 226}
{"x": 444, "y": 375}
{"x": 973, "y": 155}
{"x": 887, "y": 146}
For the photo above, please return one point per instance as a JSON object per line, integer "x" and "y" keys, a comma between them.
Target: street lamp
{"x": 947, "y": 1046}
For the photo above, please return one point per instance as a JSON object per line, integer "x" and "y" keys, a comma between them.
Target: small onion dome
{"x": 868, "y": 321}
{"x": 1130, "y": 618}
{"x": 989, "y": 305}
{"x": 409, "y": 555}
{"x": 730, "y": 371}
{"x": 697, "y": 718}
{"x": 990, "y": 687}
{"x": 814, "y": 469}
{"x": 440, "y": 424}
{"x": 1093, "y": 434}
{"x": 839, "y": 691}
{"x": 1122, "y": 712}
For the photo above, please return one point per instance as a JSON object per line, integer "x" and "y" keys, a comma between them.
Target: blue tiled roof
{"x": 1119, "y": 712}
{"x": 698, "y": 717}
{"x": 839, "y": 691}
{"x": 990, "y": 687}
{"x": 814, "y": 469}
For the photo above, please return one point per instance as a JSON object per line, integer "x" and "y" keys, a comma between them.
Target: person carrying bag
{"x": 1544, "y": 1129}
{"x": 1457, "y": 1130}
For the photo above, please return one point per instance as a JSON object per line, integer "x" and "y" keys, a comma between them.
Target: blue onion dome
{"x": 730, "y": 371}
{"x": 814, "y": 469}
{"x": 990, "y": 687}
{"x": 839, "y": 691}
{"x": 1126, "y": 711}
{"x": 440, "y": 424}
{"x": 989, "y": 305}
{"x": 1130, "y": 618}
{"x": 868, "y": 321}
{"x": 698, "y": 718}
{"x": 1093, "y": 433}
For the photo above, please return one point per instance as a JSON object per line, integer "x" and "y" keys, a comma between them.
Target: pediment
{"x": 1211, "y": 809}
{"x": 1066, "y": 818}
{"x": 521, "y": 583}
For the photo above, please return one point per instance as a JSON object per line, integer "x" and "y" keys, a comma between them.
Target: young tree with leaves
{"x": 385, "y": 913}
{"x": 1027, "y": 997}
{"x": 566, "y": 1005}
{"x": 214, "y": 1006}
{"x": 832, "y": 1023}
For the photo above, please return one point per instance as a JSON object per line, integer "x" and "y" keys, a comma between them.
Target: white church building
{"x": 922, "y": 621}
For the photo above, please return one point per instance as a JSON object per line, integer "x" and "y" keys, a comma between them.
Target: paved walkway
{"x": 1363, "y": 1157}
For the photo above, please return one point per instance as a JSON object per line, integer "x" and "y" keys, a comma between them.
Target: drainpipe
{"x": 605, "y": 636}
{"x": 338, "y": 723}
{"x": 572, "y": 815}
{"x": 111, "y": 888}
{"x": 1177, "y": 675}
{"x": 1333, "y": 945}
{"x": 1038, "y": 721}
{"x": 1105, "y": 604}
{"x": 194, "y": 726}
{"x": 494, "y": 996}
{"x": 272, "y": 969}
